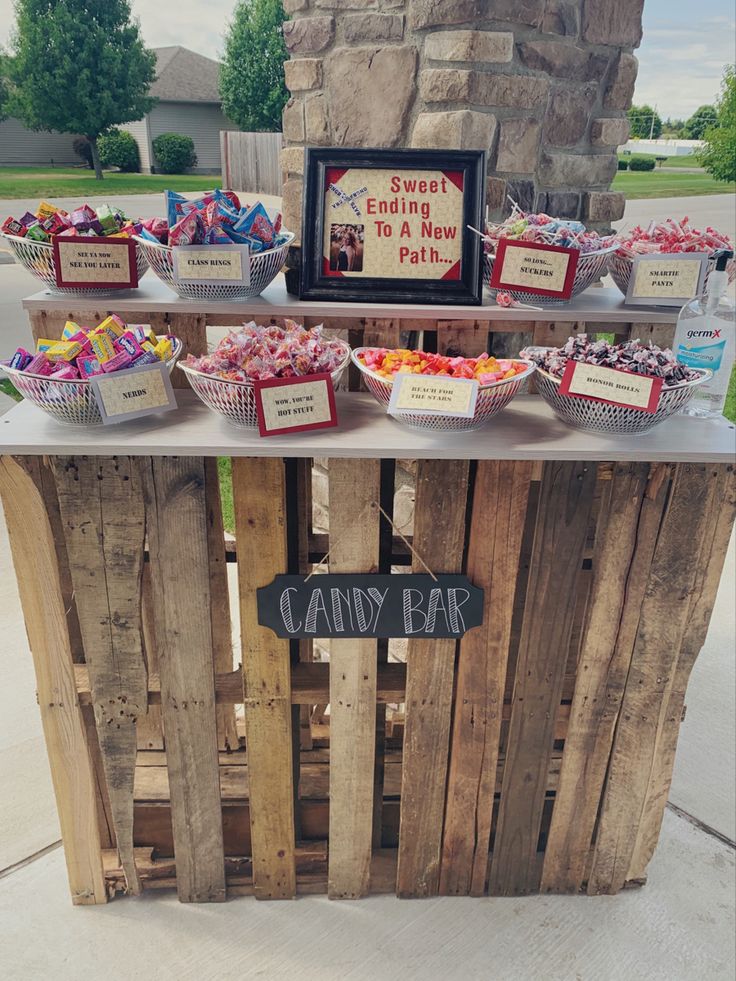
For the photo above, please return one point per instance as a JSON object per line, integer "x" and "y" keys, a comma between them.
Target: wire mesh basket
{"x": 236, "y": 400}
{"x": 491, "y": 399}
{"x": 591, "y": 266}
{"x": 620, "y": 266}
{"x": 264, "y": 267}
{"x": 68, "y": 401}
{"x": 616, "y": 420}
{"x": 38, "y": 258}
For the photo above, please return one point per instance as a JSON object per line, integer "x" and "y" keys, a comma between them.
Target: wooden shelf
{"x": 526, "y": 430}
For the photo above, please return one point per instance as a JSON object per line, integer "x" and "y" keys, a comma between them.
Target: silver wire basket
{"x": 491, "y": 399}
{"x": 38, "y": 258}
{"x": 620, "y": 265}
{"x": 591, "y": 266}
{"x": 604, "y": 417}
{"x": 264, "y": 267}
{"x": 235, "y": 400}
{"x": 68, "y": 401}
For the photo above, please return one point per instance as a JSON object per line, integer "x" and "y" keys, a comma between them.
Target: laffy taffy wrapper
{"x": 255, "y": 353}
{"x": 400, "y": 361}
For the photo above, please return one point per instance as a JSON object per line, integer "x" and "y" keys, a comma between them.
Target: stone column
{"x": 542, "y": 85}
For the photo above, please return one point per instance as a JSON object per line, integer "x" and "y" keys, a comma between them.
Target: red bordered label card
{"x": 545, "y": 269}
{"x": 95, "y": 263}
{"x": 293, "y": 405}
{"x": 612, "y": 385}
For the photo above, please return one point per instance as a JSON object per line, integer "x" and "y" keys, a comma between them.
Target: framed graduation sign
{"x": 392, "y": 225}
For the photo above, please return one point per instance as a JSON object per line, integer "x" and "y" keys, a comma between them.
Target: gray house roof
{"x": 184, "y": 76}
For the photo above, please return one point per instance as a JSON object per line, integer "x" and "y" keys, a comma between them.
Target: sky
{"x": 681, "y": 58}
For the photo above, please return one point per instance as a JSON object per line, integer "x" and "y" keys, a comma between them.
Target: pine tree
{"x": 78, "y": 66}
{"x": 252, "y": 77}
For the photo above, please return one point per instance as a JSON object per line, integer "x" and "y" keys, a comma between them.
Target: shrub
{"x": 641, "y": 163}
{"x": 174, "y": 153}
{"x": 623, "y": 164}
{"x": 118, "y": 148}
{"x": 84, "y": 150}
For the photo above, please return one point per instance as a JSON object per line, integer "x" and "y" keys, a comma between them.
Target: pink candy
{"x": 671, "y": 236}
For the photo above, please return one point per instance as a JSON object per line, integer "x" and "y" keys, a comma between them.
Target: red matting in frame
{"x": 505, "y": 245}
{"x": 118, "y": 244}
{"x": 655, "y": 386}
{"x": 324, "y": 378}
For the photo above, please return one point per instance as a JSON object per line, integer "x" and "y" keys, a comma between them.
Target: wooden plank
{"x": 565, "y": 502}
{"x": 150, "y": 729}
{"x": 462, "y": 337}
{"x": 103, "y": 517}
{"x": 439, "y": 537}
{"x": 39, "y": 586}
{"x": 176, "y": 524}
{"x": 631, "y": 513}
{"x": 662, "y": 624}
{"x": 304, "y": 531}
{"x": 191, "y": 330}
{"x": 259, "y": 493}
{"x": 222, "y": 638}
{"x": 354, "y": 488}
{"x": 720, "y": 508}
{"x": 501, "y": 489}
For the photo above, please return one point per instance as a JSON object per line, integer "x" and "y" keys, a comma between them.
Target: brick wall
{"x": 542, "y": 85}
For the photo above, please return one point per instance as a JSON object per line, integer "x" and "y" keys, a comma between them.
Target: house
{"x": 189, "y": 103}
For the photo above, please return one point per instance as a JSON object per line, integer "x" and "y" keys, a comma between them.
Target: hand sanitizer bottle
{"x": 705, "y": 337}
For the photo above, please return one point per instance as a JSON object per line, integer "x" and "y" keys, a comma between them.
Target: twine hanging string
{"x": 373, "y": 505}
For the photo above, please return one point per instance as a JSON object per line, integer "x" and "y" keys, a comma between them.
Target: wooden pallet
{"x": 533, "y": 755}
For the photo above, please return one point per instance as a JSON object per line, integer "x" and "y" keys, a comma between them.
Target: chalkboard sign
{"x": 370, "y": 606}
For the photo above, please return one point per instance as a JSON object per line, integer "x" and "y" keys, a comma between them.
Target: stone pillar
{"x": 542, "y": 85}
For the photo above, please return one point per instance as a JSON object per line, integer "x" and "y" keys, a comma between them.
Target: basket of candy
{"x": 224, "y": 379}
{"x": 29, "y": 238}
{"x": 540, "y": 228}
{"x": 498, "y": 380}
{"x": 679, "y": 383}
{"x": 663, "y": 238}
{"x": 57, "y": 377}
{"x": 217, "y": 218}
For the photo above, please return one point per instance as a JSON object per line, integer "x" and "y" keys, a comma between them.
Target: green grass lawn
{"x": 666, "y": 184}
{"x": 687, "y": 161}
{"x": 48, "y": 182}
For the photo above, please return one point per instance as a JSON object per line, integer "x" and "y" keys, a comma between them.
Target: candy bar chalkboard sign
{"x": 370, "y": 606}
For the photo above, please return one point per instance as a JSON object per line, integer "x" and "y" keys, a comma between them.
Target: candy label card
{"x": 669, "y": 279}
{"x": 212, "y": 264}
{"x": 611, "y": 385}
{"x": 124, "y": 395}
{"x": 95, "y": 263}
{"x": 370, "y": 605}
{"x": 292, "y": 405}
{"x": 433, "y": 394}
{"x": 537, "y": 268}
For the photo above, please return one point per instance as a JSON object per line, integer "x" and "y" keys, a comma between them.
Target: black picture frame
{"x": 316, "y": 284}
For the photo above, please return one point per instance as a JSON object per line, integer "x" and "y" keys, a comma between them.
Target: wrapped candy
{"x": 51, "y": 220}
{"x": 254, "y": 353}
{"x": 485, "y": 368}
{"x": 216, "y": 218}
{"x": 671, "y": 236}
{"x": 543, "y": 229}
{"x": 633, "y": 356}
{"x": 187, "y": 231}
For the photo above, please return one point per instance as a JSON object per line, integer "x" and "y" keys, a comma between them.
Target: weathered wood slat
{"x": 720, "y": 507}
{"x": 39, "y": 586}
{"x": 565, "y": 502}
{"x": 150, "y": 727}
{"x": 176, "y": 524}
{"x": 304, "y": 521}
{"x": 190, "y": 329}
{"x": 259, "y": 494}
{"x": 501, "y": 490}
{"x": 631, "y": 513}
{"x": 661, "y": 628}
{"x": 103, "y": 519}
{"x": 222, "y": 639}
{"x": 354, "y": 488}
{"x": 439, "y": 538}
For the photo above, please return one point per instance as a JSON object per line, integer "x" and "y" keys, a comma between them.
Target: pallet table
{"x": 536, "y": 752}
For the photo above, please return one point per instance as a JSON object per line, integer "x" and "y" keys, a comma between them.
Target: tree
{"x": 79, "y": 66}
{"x": 252, "y": 76}
{"x": 700, "y": 120}
{"x": 718, "y": 156}
{"x": 645, "y": 122}
{"x": 4, "y": 94}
